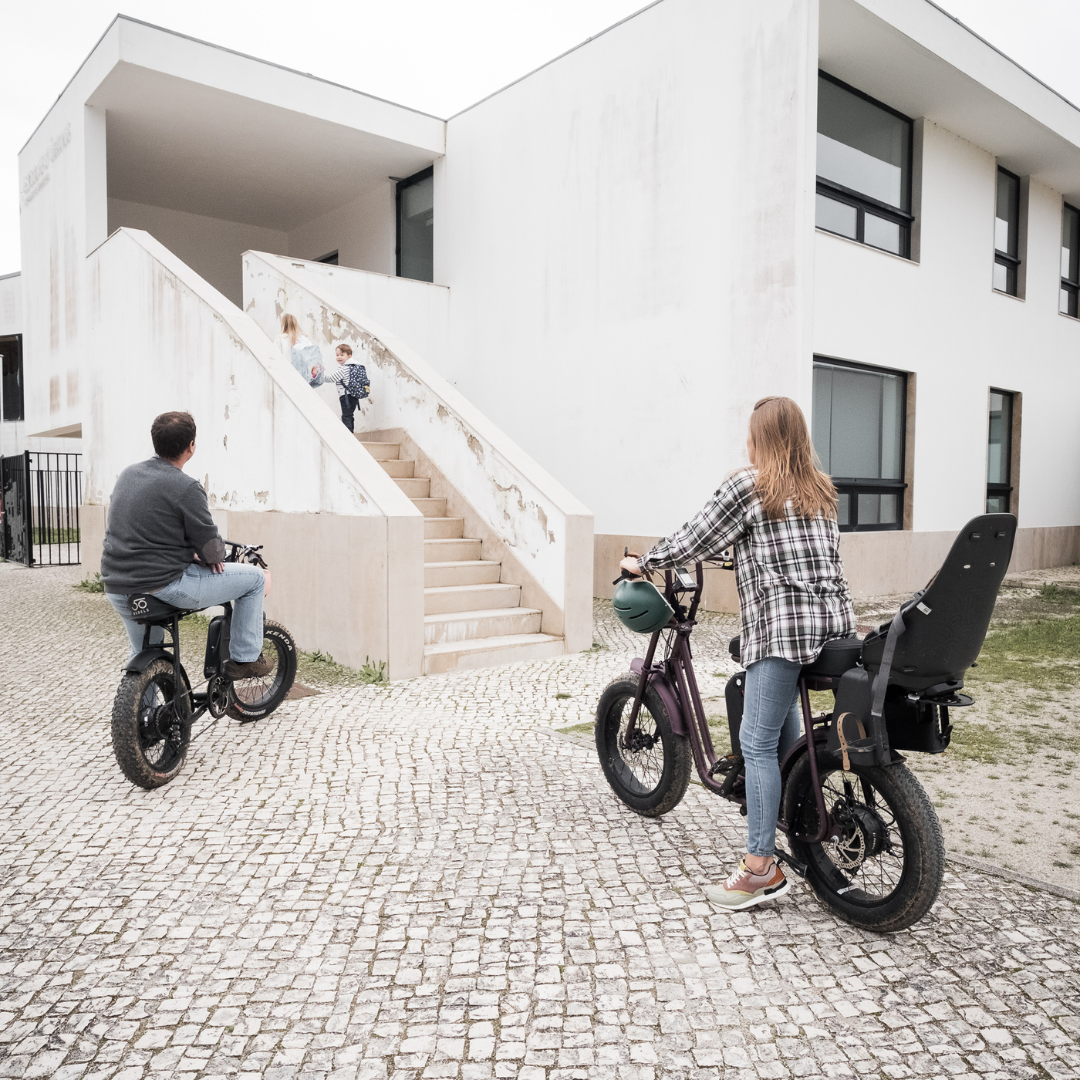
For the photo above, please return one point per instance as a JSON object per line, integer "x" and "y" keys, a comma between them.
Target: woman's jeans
{"x": 771, "y": 725}
{"x": 199, "y": 587}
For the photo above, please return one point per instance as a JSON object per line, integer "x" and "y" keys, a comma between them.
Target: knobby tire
{"x": 252, "y": 699}
{"x": 142, "y": 715}
{"x": 889, "y": 823}
{"x": 653, "y": 778}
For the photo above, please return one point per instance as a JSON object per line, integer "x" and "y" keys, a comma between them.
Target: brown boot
{"x": 256, "y": 669}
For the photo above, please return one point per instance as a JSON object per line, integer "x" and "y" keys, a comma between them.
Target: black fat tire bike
{"x": 858, "y": 824}
{"x": 155, "y": 707}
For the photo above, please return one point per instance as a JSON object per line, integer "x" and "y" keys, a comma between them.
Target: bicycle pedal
{"x": 797, "y": 867}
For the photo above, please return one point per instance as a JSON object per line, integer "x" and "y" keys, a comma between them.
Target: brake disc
{"x": 217, "y": 696}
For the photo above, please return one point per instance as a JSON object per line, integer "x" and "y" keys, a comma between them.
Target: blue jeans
{"x": 199, "y": 587}
{"x": 771, "y": 725}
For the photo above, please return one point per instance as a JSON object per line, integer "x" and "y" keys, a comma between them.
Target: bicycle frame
{"x": 674, "y": 680}
{"x": 215, "y": 697}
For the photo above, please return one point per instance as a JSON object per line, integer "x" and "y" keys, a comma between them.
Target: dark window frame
{"x": 997, "y": 490}
{"x": 1003, "y": 258}
{"x": 1068, "y": 286}
{"x": 854, "y": 486}
{"x": 408, "y": 182}
{"x": 7, "y": 407}
{"x": 862, "y": 203}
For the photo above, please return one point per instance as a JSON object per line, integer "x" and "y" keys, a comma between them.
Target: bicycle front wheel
{"x": 252, "y": 699}
{"x": 882, "y": 863}
{"x": 652, "y": 773}
{"x": 151, "y": 727}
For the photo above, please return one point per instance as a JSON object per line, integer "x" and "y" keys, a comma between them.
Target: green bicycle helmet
{"x": 641, "y": 606}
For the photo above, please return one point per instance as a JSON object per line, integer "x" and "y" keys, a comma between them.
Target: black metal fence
{"x": 40, "y": 494}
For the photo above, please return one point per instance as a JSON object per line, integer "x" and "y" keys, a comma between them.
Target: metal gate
{"x": 15, "y": 508}
{"x": 41, "y": 497}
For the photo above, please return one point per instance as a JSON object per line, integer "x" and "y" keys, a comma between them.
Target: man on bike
{"x": 161, "y": 539}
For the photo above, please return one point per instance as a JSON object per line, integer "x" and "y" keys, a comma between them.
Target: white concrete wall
{"x": 268, "y": 453}
{"x": 211, "y": 247}
{"x": 415, "y": 312}
{"x": 545, "y": 529}
{"x": 626, "y": 238}
{"x": 941, "y": 319}
{"x": 363, "y": 233}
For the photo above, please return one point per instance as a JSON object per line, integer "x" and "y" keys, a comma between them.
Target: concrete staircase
{"x": 471, "y": 618}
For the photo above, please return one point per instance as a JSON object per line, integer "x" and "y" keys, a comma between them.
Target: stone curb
{"x": 1012, "y": 875}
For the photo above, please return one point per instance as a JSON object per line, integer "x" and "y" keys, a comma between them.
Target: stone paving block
{"x": 425, "y": 880}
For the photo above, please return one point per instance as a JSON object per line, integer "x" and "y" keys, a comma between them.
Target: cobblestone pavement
{"x": 425, "y": 881}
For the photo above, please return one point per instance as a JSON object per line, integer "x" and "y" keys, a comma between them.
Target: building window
{"x": 858, "y": 432}
{"x": 331, "y": 258}
{"x": 12, "y": 386}
{"x": 863, "y": 168}
{"x": 415, "y": 226}
{"x": 999, "y": 453}
{"x": 1007, "y": 232}
{"x": 1070, "y": 262}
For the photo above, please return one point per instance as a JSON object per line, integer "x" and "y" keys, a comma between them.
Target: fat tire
{"x": 286, "y": 658}
{"x": 920, "y": 831}
{"x": 677, "y": 759}
{"x": 127, "y": 744}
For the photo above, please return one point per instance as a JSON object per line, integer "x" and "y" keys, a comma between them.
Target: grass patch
{"x": 321, "y": 669}
{"x": 562, "y": 696}
{"x": 55, "y": 536}
{"x": 580, "y": 729}
{"x": 90, "y": 585}
{"x": 1043, "y": 654}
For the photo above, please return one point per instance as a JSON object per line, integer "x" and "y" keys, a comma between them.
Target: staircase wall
{"x": 547, "y": 532}
{"x": 279, "y": 468}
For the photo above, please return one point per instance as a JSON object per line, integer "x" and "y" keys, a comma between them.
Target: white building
{"x": 857, "y": 203}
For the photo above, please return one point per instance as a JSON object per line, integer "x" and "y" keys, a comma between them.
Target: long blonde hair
{"x": 787, "y": 467}
{"x": 290, "y": 326}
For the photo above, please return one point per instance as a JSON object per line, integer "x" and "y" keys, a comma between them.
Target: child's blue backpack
{"x": 356, "y": 382}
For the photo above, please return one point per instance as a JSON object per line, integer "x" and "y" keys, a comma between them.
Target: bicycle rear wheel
{"x": 149, "y": 744}
{"x": 882, "y": 864}
{"x": 652, "y": 774}
{"x": 252, "y": 699}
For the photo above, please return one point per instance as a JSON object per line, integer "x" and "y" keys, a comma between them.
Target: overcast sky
{"x": 435, "y": 55}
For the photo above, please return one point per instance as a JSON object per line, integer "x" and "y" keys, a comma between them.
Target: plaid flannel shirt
{"x": 793, "y": 596}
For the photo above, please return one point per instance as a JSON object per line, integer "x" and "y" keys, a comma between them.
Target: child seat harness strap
{"x": 881, "y": 680}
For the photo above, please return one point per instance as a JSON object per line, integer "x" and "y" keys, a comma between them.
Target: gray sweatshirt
{"x": 158, "y": 520}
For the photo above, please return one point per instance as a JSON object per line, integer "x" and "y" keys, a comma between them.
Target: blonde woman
{"x": 780, "y": 517}
{"x": 299, "y": 350}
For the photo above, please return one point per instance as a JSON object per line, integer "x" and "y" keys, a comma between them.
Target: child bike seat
{"x": 147, "y": 608}
{"x": 836, "y": 656}
{"x": 945, "y": 623}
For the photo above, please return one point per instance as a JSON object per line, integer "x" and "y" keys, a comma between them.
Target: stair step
{"x": 380, "y": 451}
{"x": 487, "y": 652}
{"x": 450, "y": 626}
{"x": 431, "y": 508}
{"x": 444, "y": 528}
{"x": 397, "y": 467}
{"x": 463, "y": 572}
{"x": 458, "y": 598}
{"x": 451, "y": 550}
{"x": 416, "y": 487}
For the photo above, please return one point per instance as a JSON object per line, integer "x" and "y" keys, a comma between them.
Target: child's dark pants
{"x": 348, "y": 407}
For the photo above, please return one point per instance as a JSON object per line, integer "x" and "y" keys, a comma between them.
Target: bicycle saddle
{"x": 147, "y": 608}
{"x": 836, "y": 656}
